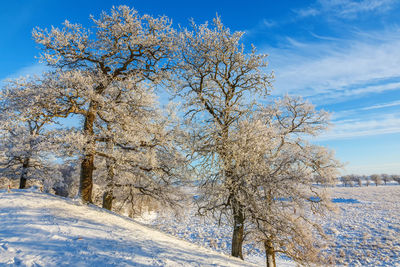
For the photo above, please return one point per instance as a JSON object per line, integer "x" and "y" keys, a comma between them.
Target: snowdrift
{"x": 39, "y": 229}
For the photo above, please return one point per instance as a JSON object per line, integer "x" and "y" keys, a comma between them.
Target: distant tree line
{"x": 366, "y": 180}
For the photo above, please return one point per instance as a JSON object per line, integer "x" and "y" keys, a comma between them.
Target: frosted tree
{"x": 357, "y": 179}
{"x": 367, "y": 180}
{"x": 395, "y": 178}
{"x": 256, "y": 166}
{"x": 218, "y": 82}
{"x": 148, "y": 162}
{"x": 386, "y": 178}
{"x": 376, "y": 178}
{"x": 70, "y": 175}
{"x": 347, "y": 180}
{"x": 27, "y": 108}
{"x": 276, "y": 168}
{"x": 121, "y": 46}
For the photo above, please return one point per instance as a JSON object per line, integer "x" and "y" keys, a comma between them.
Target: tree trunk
{"x": 269, "y": 254}
{"x": 110, "y": 162}
{"x": 107, "y": 199}
{"x": 87, "y": 165}
{"x": 238, "y": 229}
{"x": 24, "y": 173}
{"x": 86, "y": 179}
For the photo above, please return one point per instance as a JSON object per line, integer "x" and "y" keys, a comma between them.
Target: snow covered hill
{"x": 39, "y": 229}
{"x": 44, "y": 230}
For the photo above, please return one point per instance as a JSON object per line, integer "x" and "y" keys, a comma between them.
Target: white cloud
{"x": 344, "y": 94}
{"x": 307, "y": 12}
{"x": 344, "y": 115}
{"x": 261, "y": 26}
{"x": 268, "y": 23}
{"x": 384, "y": 105}
{"x": 35, "y": 69}
{"x": 347, "y": 129}
{"x": 348, "y": 9}
{"x": 342, "y": 68}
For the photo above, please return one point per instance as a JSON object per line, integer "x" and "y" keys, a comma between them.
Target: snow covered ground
{"x": 365, "y": 230}
{"x": 38, "y": 229}
{"x": 43, "y": 230}
{"x": 206, "y": 233}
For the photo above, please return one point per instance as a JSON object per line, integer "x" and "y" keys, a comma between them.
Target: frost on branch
{"x": 276, "y": 169}
{"x": 107, "y": 75}
{"x": 219, "y": 83}
{"x": 28, "y": 146}
{"x": 257, "y": 168}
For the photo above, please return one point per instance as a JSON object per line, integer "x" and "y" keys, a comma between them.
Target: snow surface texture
{"x": 366, "y": 229}
{"x": 44, "y": 230}
{"x": 39, "y": 229}
{"x": 206, "y": 233}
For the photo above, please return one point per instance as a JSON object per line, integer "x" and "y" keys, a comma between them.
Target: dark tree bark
{"x": 87, "y": 165}
{"x": 24, "y": 173}
{"x": 238, "y": 231}
{"x": 269, "y": 254}
{"x": 22, "y": 183}
{"x": 86, "y": 179}
{"x": 107, "y": 199}
{"x": 108, "y": 195}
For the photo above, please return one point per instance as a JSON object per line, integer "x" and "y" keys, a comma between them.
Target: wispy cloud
{"x": 306, "y": 12}
{"x": 268, "y": 23}
{"x": 345, "y": 115}
{"x": 347, "y": 9}
{"x": 347, "y": 129}
{"x": 35, "y": 69}
{"x": 359, "y": 90}
{"x": 338, "y": 68}
{"x": 384, "y": 105}
{"x": 262, "y": 25}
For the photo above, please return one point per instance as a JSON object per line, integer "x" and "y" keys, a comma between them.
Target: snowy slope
{"x": 43, "y": 230}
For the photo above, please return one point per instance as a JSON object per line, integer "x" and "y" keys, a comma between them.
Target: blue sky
{"x": 341, "y": 55}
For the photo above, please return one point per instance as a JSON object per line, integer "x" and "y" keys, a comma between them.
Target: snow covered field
{"x": 43, "y": 230}
{"x": 366, "y": 228}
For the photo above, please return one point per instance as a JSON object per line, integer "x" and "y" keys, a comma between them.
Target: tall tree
{"x": 121, "y": 46}
{"x": 218, "y": 82}
{"x": 276, "y": 168}
{"x": 257, "y": 167}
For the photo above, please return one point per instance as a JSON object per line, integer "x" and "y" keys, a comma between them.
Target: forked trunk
{"x": 238, "y": 232}
{"x": 269, "y": 253}
{"x": 24, "y": 173}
